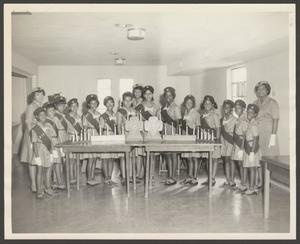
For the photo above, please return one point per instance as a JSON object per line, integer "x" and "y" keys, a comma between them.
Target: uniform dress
{"x": 240, "y": 131}
{"x": 87, "y": 124}
{"x": 228, "y": 125}
{"x": 192, "y": 120}
{"x": 53, "y": 122}
{"x": 62, "y": 131}
{"x": 173, "y": 111}
{"x": 72, "y": 131}
{"x": 26, "y": 155}
{"x": 268, "y": 110}
{"x": 43, "y": 152}
{"x": 251, "y": 132}
{"x": 213, "y": 121}
{"x": 110, "y": 131}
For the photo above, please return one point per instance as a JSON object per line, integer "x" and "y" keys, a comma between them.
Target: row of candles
{"x": 202, "y": 134}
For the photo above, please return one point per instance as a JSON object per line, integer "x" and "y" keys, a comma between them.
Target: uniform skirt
{"x": 226, "y": 148}
{"x": 44, "y": 155}
{"x": 26, "y": 155}
{"x": 235, "y": 151}
{"x": 255, "y": 163}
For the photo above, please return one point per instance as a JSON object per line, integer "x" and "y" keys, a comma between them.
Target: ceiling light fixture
{"x": 136, "y": 34}
{"x": 120, "y": 61}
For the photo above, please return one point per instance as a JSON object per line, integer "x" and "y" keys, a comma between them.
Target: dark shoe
{"x": 186, "y": 181}
{"x": 205, "y": 183}
{"x": 194, "y": 182}
{"x": 92, "y": 182}
{"x": 170, "y": 182}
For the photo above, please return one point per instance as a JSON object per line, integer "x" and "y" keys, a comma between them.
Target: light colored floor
{"x": 179, "y": 208}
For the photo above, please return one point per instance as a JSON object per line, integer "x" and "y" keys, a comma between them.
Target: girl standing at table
{"x": 90, "y": 121}
{"x": 149, "y": 109}
{"x": 74, "y": 128}
{"x": 42, "y": 134}
{"x": 267, "y": 119}
{"x": 26, "y": 156}
{"x": 238, "y": 139}
{"x": 228, "y": 122}
{"x": 123, "y": 114}
{"x": 57, "y": 160}
{"x": 252, "y": 155}
{"x": 170, "y": 115}
{"x": 211, "y": 120}
{"x": 137, "y": 100}
{"x": 190, "y": 122}
{"x": 108, "y": 126}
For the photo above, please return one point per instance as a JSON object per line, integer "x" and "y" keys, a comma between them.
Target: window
{"x": 125, "y": 85}
{"x": 236, "y": 83}
{"x": 104, "y": 89}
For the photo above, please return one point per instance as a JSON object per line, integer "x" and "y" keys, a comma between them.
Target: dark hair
{"x": 108, "y": 98}
{"x": 88, "y": 103}
{"x": 228, "y": 102}
{"x": 171, "y": 90}
{"x": 253, "y": 107}
{"x": 240, "y": 102}
{"x": 208, "y": 98}
{"x": 265, "y": 84}
{"x": 127, "y": 94}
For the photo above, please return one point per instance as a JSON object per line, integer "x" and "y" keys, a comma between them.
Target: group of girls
{"x": 50, "y": 123}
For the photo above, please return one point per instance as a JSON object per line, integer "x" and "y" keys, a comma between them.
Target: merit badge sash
{"x": 74, "y": 123}
{"x": 62, "y": 120}
{"x": 43, "y": 137}
{"x": 89, "y": 117}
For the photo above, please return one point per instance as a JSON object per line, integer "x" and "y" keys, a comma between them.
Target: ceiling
{"x": 88, "y": 38}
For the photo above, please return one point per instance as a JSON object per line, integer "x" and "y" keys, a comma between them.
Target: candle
{"x": 106, "y": 129}
{"x": 179, "y": 132}
{"x": 194, "y": 131}
{"x": 123, "y": 130}
{"x": 198, "y": 132}
{"x": 100, "y": 130}
{"x": 165, "y": 128}
{"x": 186, "y": 129}
{"x": 172, "y": 129}
{"x": 115, "y": 129}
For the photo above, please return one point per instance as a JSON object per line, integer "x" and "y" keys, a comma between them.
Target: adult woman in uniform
{"x": 267, "y": 119}
{"x": 26, "y": 156}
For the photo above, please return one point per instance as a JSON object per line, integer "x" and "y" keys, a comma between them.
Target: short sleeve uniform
{"x": 240, "y": 129}
{"x": 193, "y": 120}
{"x": 252, "y": 132}
{"x": 62, "y": 131}
{"x": 26, "y": 155}
{"x": 268, "y": 110}
{"x": 213, "y": 120}
{"x": 227, "y": 147}
{"x": 55, "y": 140}
{"x": 153, "y": 110}
{"x": 43, "y": 152}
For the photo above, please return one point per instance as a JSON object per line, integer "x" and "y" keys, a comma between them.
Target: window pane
{"x": 238, "y": 83}
{"x": 239, "y": 74}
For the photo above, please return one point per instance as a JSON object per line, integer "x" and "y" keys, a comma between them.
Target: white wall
{"x": 24, "y": 64}
{"x": 79, "y": 81}
{"x": 274, "y": 69}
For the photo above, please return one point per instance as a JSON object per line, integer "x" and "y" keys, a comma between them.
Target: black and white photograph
{"x": 149, "y": 121}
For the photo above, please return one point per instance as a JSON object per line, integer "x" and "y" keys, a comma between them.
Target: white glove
{"x": 51, "y": 158}
{"x": 55, "y": 154}
{"x": 272, "y": 141}
{"x": 38, "y": 161}
{"x": 251, "y": 157}
{"x": 240, "y": 154}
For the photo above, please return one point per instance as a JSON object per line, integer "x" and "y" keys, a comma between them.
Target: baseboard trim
{"x": 284, "y": 187}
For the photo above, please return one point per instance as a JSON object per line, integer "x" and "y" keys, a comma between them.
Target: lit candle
{"x": 172, "y": 129}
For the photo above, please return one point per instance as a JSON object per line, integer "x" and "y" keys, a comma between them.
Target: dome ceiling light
{"x": 120, "y": 61}
{"x": 133, "y": 33}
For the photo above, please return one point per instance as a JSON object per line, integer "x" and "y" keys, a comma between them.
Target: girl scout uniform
{"x": 227, "y": 128}
{"x": 238, "y": 136}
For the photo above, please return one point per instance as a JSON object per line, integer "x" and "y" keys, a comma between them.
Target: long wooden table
{"x": 93, "y": 147}
{"x": 270, "y": 163}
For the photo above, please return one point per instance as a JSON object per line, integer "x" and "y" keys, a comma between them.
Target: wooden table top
{"x": 282, "y": 161}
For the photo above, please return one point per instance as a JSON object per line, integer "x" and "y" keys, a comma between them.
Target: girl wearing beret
{"x": 74, "y": 128}
{"x": 54, "y": 122}
{"x": 252, "y": 155}
{"x": 36, "y": 100}
{"x": 42, "y": 134}
{"x": 191, "y": 120}
{"x": 238, "y": 139}
{"x": 267, "y": 119}
{"x": 108, "y": 125}
{"x": 123, "y": 114}
{"x": 170, "y": 115}
{"x": 211, "y": 120}
{"x": 137, "y": 100}
{"x": 90, "y": 121}
{"x": 227, "y": 126}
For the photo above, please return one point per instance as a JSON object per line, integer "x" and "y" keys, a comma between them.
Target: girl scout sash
{"x": 237, "y": 139}
{"x": 248, "y": 148}
{"x": 74, "y": 123}
{"x": 139, "y": 107}
{"x": 42, "y": 136}
{"x": 89, "y": 117}
{"x": 111, "y": 123}
{"x": 183, "y": 123}
{"x": 62, "y": 120}
{"x": 165, "y": 117}
{"x": 146, "y": 114}
{"x": 52, "y": 123}
{"x": 225, "y": 134}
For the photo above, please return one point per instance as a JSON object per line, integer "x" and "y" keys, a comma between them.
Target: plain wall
{"x": 79, "y": 81}
{"x": 274, "y": 69}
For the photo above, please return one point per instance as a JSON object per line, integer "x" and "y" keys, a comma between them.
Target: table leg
{"x": 210, "y": 172}
{"x": 78, "y": 169}
{"x": 266, "y": 190}
{"x": 133, "y": 170}
{"x": 147, "y": 174}
{"x": 151, "y": 173}
{"x": 68, "y": 173}
{"x": 127, "y": 165}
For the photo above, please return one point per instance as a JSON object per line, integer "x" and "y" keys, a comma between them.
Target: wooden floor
{"x": 174, "y": 209}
